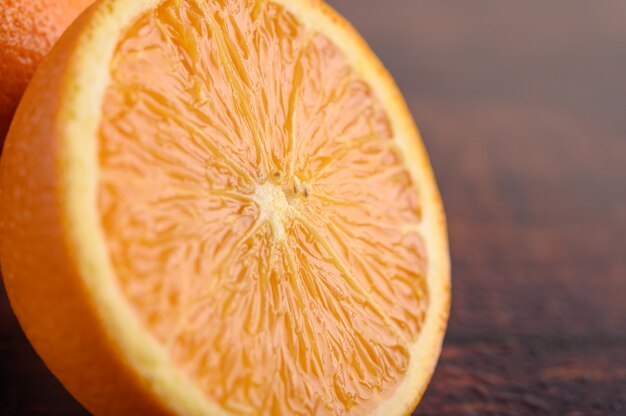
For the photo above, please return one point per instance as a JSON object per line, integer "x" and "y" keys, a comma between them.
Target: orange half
{"x": 223, "y": 207}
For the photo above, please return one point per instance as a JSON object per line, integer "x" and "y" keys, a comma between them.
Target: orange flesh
{"x": 258, "y": 216}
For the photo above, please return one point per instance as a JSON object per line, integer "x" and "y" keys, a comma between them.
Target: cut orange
{"x": 223, "y": 207}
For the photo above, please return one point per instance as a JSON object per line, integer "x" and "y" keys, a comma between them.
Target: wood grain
{"x": 523, "y": 109}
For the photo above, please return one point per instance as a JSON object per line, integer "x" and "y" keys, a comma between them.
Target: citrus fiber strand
{"x": 291, "y": 117}
{"x": 323, "y": 171}
{"x": 353, "y": 250}
{"x": 355, "y": 284}
{"x": 231, "y": 69}
{"x": 225, "y": 256}
{"x": 160, "y": 107}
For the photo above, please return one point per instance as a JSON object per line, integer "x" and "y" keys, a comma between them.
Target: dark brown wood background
{"x": 522, "y": 105}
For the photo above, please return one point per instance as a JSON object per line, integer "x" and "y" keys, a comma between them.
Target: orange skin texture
{"x": 29, "y": 29}
{"x": 35, "y": 241}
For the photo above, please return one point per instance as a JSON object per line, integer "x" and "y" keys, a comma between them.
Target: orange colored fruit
{"x": 28, "y": 29}
{"x": 223, "y": 207}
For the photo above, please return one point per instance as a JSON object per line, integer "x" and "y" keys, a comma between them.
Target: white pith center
{"x": 275, "y": 208}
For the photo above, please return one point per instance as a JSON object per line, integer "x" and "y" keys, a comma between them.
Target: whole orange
{"x": 28, "y": 29}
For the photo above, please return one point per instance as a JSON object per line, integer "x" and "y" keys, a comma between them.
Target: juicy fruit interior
{"x": 258, "y": 215}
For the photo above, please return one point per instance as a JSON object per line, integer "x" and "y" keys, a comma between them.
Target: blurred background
{"x": 522, "y": 105}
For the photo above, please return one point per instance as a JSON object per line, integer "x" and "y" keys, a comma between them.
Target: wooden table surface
{"x": 522, "y": 105}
